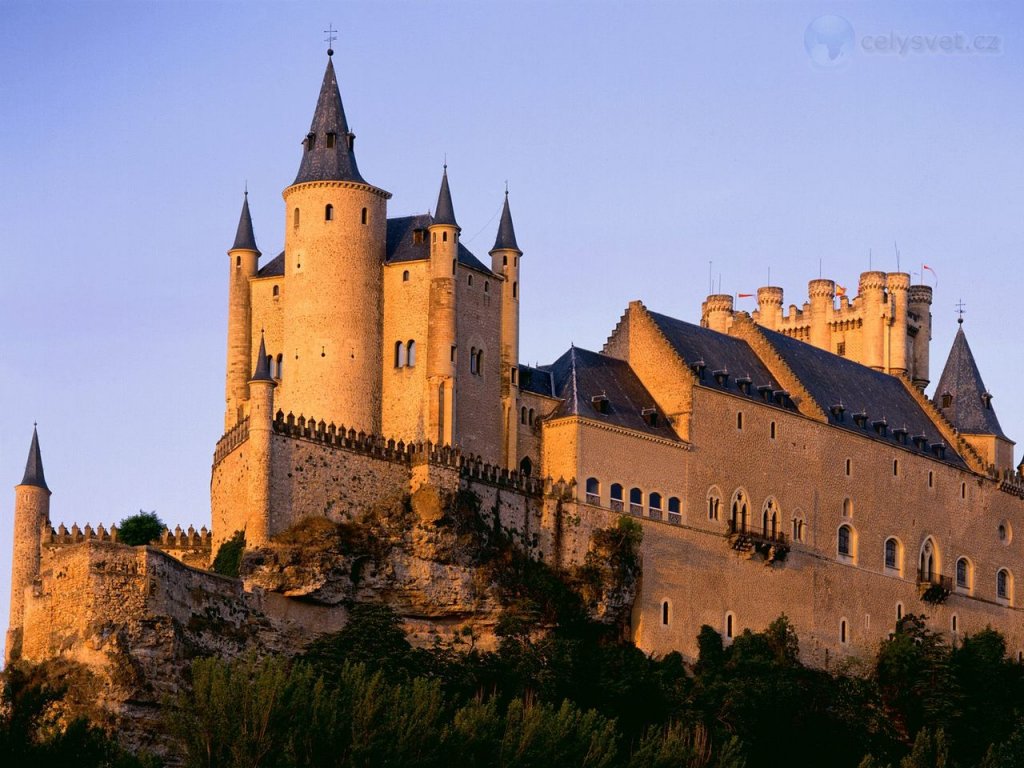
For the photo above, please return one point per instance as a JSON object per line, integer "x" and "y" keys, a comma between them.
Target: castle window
{"x": 526, "y": 466}
{"x": 331, "y": 137}
{"x": 469, "y": 280}
{"x": 664, "y": 613}
{"x": 636, "y": 502}
{"x": 310, "y": 141}
{"x": 522, "y": 415}
{"x": 514, "y": 374}
{"x": 515, "y": 290}
{"x": 846, "y": 542}
{"x": 892, "y": 554}
{"x": 953, "y": 624}
{"x": 400, "y": 357}
{"x": 1004, "y": 585}
{"x": 654, "y": 506}
{"x": 444, "y": 237}
{"x": 480, "y": 366}
{"x": 947, "y": 400}
{"x": 405, "y": 276}
{"x": 417, "y": 237}
{"x": 276, "y": 291}
{"x": 931, "y": 479}
{"x": 738, "y": 520}
{"x": 928, "y": 567}
{"x": 674, "y": 508}
{"x": 963, "y": 574}
{"x": 593, "y": 491}
{"x": 280, "y": 367}
{"x": 487, "y": 286}
{"x": 1004, "y": 533}
{"x": 454, "y": 354}
{"x": 454, "y": 261}
{"x": 504, "y": 261}
{"x": 238, "y": 261}
{"x": 529, "y": 417}
{"x": 849, "y": 467}
{"x": 411, "y": 355}
{"x": 295, "y": 218}
{"x": 847, "y": 507}
{"x": 363, "y": 216}
{"x": 472, "y": 360}
{"x": 963, "y": 490}
{"x": 616, "y": 497}
{"x": 899, "y": 612}
{"x": 842, "y": 631}
{"x": 329, "y": 212}
{"x": 895, "y": 467}
{"x": 771, "y": 431}
{"x": 433, "y": 237}
{"x": 729, "y": 626}
{"x": 770, "y": 519}
{"x": 841, "y": 349}
{"x": 739, "y": 420}
{"x": 798, "y": 529}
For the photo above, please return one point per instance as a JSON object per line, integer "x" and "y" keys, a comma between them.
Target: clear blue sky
{"x": 640, "y": 140}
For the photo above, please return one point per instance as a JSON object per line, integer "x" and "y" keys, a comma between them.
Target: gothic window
{"x": 963, "y": 574}
{"x": 480, "y": 363}
{"x": 530, "y": 417}
{"x": 928, "y": 567}
{"x": 636, "y": 502}
{"x": 892, "y": 553}
{"x": 845, "y": 541}
{"x": 526, "y": 466}
{"x": 798, "y": 529}
{"x": 593, "y": 491}
{"x": 738, "y": 519}
{"x": 714, "y": 503}
{"x": 522, "y": 415}
{"x": 472, "y": 360}
{"x": 280, "y": 367}
{"x": 411, "y": 354}
{"x": 654, "y": 506}
{"x": 469, "y": 280}
{"x": 329, "y": 212}
{"x": 1004, "y": 585}
{"x": 770, "y": 519}
{"x": 616, "y": 497}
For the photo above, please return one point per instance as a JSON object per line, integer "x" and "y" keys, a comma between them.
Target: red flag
{"x": 745, "y": 295}
{"x": 925, "y": 266}
{"x": 840, "y": 290}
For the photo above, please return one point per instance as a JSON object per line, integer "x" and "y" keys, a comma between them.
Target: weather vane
{"x": 332, "y": 35}
{"x": 960, "y": 307}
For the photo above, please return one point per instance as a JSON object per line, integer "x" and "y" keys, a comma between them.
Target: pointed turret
{"x": 445, "y": 211}
{"x": 245, "y": 240}
{"x": 961, "y": 394}
{"x": 506, "y": 239}
{"x": 262, "y": 372}
{"x": 328, "y": 149}
{"x": 34, "y": 466}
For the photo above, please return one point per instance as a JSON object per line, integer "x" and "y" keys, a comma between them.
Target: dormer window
{"x": 721, "y": 377}
{"x": 744, "y": 382}
{"x": 780, "y": 396}
{"x": 900, "y": 433}
{"x": 838, "y": 411}
{"x": 920, "y": 441}
{"x": 698, "y": 368}
{"x": 860, "y": 419}
{"x": 310, "y": 141}
{"x": 947, "y": 400}
{"x": 350, "y": 139}
{"x": 600, "y": 403}
{"x": 418, "y": 236}
{"x": 765, "y": 391}
{"x": 939, "y": 450}
{"x": 330, "y": 140}
{"x": 986, "y": 398}
{"x": 881, "y": 427}
{"x": 650, "y": 416}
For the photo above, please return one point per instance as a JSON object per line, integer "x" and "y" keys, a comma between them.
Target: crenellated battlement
{"x": 178, "y": 539}
{"x": 233, "y": 438}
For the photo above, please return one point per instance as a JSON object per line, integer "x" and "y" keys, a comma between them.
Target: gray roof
{"x": 580, "y": 376}
{"x": 536, "y": 380}
{"x": 719, "y": 361}
{"x": 262, "y": 372}
{"x": 34, "y": 466}
{"x": 322, "y": 162}
{"x": 402, "y": 246}
{"x": 445, "y": 211}
{"x": 970, "y": 408}
{"x": 506, "y": 239}
{"x": 832, "y": 380}
{"x": 273, "y": 268}
{"x": 244, "y": 237}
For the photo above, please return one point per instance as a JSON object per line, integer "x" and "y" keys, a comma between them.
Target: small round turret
{"x": 505, "y": 257}
{"x": 822, "y": 305}
{"x": 920, "y": 307}
{"x": 873, "y": 315}
{"x": 716, "y": 312}
{"x": 442, "y": 331}
{"x": 769, "y": 306}
{"x": 898, "y": 285}
{"x": 244, "y": 262}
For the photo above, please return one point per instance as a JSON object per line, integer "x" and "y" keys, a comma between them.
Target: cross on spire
{"x": 960, "y": 309}
{"x": 331, "y": 36}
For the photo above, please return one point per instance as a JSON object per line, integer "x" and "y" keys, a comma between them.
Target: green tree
{"x": 228, "y": 561}
{"x": 143, "y": 528}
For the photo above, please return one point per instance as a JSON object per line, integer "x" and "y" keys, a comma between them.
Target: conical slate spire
{"x": 262, "y": 364}
{"x": 445, "y": 211}
{"x": 34, "y": 465}
{"x": 506, "y": 239}
{"x": 327, "y": 153}
{"x": 961, "y": 394}
{"x": 244, "y": 237}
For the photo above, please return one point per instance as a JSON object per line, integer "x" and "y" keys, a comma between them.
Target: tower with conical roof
{"x": 31, "y": 513}
{"x": 505, "y": 257}
{"x": 335, "y": 236}
{"x": 244, "y": 261}
{"x": 442, "y": 328}
{"x": 963, "y": 399}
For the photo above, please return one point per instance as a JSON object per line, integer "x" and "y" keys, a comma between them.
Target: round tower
{"x": 871, "y": 297}
{"x": 335, "y": 242}
{"x": 898, "y": 286}
{"x": 243, "y": 262}
{"x": 716, "y": 312}
{"x": 920, "y": 307}
{"x": 31, "y": 513}
{"x": 822, "y": 299}
{"x": 442, "y": 331}
{"x": 769, "y": 307}
{"x": 505, "y": 257}
{"x": 259, "y": 526}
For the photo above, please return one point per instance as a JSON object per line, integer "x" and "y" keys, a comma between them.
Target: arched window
{"x": 238, "y": 261}
{"x": 405, "y": 276}
{"x": 295, "y": 218}
{"x": 714, "y": 504}
{"x": 411, "y": 355}
{"x": 487, "y": 286}
{"x": 847, "y": 507}
{"x": 399, "y": 354}
{"x": 842, "y": 631}
{"x": 469, "y": 280}
{"x": 771, "y": 431}
{"x": 479, "y": 362}
{"x": 654, "y": 506}
{"x": 738, "y": 516}
{"x": 593, "y": 491}
{"x": 849, "y": 467}
{"x": 729, "y": 621}
{"x": 770, "y": 519}
{"x": 1004, "y": 585}
{"x": 472, "y": 360}
{"x": 522, "y": 415}
{"x": 928, "y": 565}
{"x": 280, "y": 367}
{"x": 364, "y": 216}
{"x": 674, "y": 510}
{"x": 515, "y": 290}
{"x": 276, "y": 291}
{"x": 526, "y": 466}
{"x": 616, "y": 497}
{"x": 636, "y": 502}
{"x": 329, "y": 212}
{"x": 892, "y": 554}
{"x": 964, "y": 575}
{"x": 845, "y": 546}
{"x": 899, "y": 612}
{"x": 895, "y": 467}
{"x": 931, "y": 479}
{"x": 444, "y": 237}
{"x": 739, "y": 420}
{"x": 270, "y": 362}
{"x": 664, "y": 613}
{"x": 529, "y": 417}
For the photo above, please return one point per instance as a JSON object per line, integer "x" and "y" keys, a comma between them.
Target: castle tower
{"x": 898, "y": 286}
{"x": 920, "y": 308}
{"x": 822, "y": 295}
{"x": 442, "y": 352}
{"x": 505, "y": 257}
{"x": 716, "y": 312}
{"x": 871, "y": 296}
{"x": 31, "y": 513}
{"x": 244, "y": 262}
{"x": 258, "y": 527}
{"x": 769, "y": 307}
{"x": 335, "y": 236}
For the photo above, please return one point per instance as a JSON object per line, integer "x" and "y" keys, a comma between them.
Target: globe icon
{"x": 829, "y": 41}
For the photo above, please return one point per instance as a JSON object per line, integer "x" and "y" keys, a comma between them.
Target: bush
{"x": 143, "y": 528}
{"x": 229, "y": 555}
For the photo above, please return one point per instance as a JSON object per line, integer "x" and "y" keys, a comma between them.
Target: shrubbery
{"x": 143, "y": 528}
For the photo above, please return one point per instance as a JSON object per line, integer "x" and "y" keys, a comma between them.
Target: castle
{"x": 778, "y": 462}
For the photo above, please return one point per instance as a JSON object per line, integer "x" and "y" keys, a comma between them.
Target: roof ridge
{"x": 946, "y": 429}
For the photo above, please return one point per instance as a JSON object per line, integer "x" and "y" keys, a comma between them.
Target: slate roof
{"x": 719, "y": 353}
{"x": 244, "y": 237}
{"x": 262, "y": 372}
{"x": 273, "y": 268}
{"x": 324, "y": 163}
{"x": 536, "y": 380}
{"x": 970, "y": 410}
{"x": 579, "y": 375}
{"x": 444, "y": 213}
{"x": 34, "y": 466}
{"x": 401, "y": 246}
{"x": 832, "y": 380}
{"x": 506, "y": 238}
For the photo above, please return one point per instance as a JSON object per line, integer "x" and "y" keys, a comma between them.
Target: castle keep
{"x": 779, "y": 462}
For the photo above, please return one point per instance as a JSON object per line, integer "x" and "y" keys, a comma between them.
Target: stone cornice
{"x": 584, "y": 421}
{"x": 339, "y": 185}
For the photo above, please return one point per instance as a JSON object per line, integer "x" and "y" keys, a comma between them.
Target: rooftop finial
{"x": 331, "y": 33}
{"x": 960, "y": 309}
